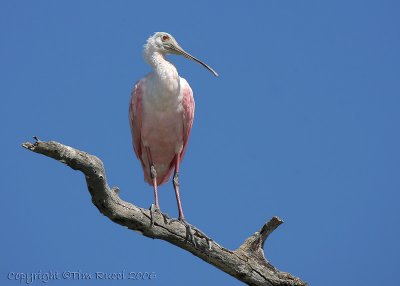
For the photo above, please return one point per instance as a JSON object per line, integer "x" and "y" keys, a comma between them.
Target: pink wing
{"x": 135, "y": 118}
{"x": 188, "y": 113}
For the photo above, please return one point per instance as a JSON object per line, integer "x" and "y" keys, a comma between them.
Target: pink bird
{"x": 161, "y": 113}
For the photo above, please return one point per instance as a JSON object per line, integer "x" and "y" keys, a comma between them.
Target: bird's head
{"x": 164, "y": 43}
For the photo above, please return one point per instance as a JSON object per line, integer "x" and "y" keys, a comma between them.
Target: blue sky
{"x": 302, "y": 123}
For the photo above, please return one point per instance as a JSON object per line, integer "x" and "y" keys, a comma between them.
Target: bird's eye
{"x": 165, "y": 38}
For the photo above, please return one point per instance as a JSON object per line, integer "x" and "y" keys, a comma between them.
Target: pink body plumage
{"x": 164, "y": 128}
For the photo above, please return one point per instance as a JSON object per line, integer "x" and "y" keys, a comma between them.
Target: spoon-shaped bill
{"x": 178, "y": 50}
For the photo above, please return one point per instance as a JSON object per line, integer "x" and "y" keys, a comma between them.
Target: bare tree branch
{"x": 247, "y": 263}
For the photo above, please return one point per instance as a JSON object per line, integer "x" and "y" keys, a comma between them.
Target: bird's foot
{"x": 203, "y": 235}
{"x": 154, "y": 209}
{"x": 165, "y": 217}
{"x": 189, "y": 230}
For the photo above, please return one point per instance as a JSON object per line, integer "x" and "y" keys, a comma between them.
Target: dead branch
{"x": 247, "y": 263}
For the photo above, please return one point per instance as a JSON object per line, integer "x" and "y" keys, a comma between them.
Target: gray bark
{"x": 247, "y": 263}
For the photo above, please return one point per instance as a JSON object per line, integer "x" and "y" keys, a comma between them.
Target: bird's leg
{"x": 175, "y": 181}
{"x": 189, "y": 231}
{"x": 153, "y": 174}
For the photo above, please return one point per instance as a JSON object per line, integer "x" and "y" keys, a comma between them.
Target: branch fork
{"x": 247, "y": 263}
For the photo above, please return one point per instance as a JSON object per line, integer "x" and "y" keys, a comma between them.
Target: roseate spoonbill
{"x": 161, "y": 112}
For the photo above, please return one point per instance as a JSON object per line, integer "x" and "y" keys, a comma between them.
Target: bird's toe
{"x": 189, "y": 232}
{"x": 153, "y": 209}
